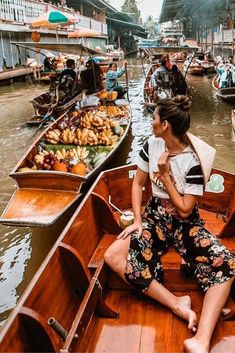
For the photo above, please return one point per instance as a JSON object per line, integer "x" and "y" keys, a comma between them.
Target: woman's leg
{"x": 213, "y": 266}
{"x": 213, "y": 303}
{"x": 116, "y": 258}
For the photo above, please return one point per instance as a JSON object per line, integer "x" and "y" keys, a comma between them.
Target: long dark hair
{"x": 175, "y": 111}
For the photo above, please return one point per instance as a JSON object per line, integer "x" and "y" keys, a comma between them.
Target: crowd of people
{"x": 75, "y": 75}
{"x": 226, "y": 72}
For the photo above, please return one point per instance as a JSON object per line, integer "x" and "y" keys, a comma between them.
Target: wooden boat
{"x": 40, "y": 121}
{"x": 44, "y": 104}
{"x": 62, "y": 162}
{"x": 208, "y": 67}
{"x": 75, "y": 303}
{"x": 227, "y": 94}
{"x": 192, "y": 69}
{"x": 233, "y": 119}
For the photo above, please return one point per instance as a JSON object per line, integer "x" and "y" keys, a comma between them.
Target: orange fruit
{"x": 75, "y": 114}
{"x": 79, "y": 169}
{"x": 60, "y": 167}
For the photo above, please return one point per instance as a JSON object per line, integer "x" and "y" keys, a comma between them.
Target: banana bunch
{"x": 100, "y": 123}
{"x": 61, "y": 154}
{"x": 106, "y": 137}
{"x": 38, "y": 158}
{"x": 86, "y": 120}
{"x": 86, "y": 137}
{"x": 53, "y": 136}
{"x": 80, "y": 153}
{"x": 67, "y": 136}
{"x": 111, "y": 110}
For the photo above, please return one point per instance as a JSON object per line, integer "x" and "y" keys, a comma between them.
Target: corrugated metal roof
{"x": 170, "y": 8}
{"x": 202, "y": 11}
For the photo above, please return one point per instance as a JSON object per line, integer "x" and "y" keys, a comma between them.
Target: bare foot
{"x": 192, "y": 345}
{"x": 184, "y": 310}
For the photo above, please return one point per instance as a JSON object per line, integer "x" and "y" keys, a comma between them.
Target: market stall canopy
{"x": 170, "y": 9}
{"x": 136, "y": 28}
{"x": 68, "y": 48}
{"x": 191, "y": 43}
{"x": 52, "y": 19}
{"x": 84, "y": 33}
{"x": 196, "y": 10}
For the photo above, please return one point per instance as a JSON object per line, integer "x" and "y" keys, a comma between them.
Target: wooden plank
{"x": 86, "y": 310}
{"x": 40, "y": 207}
{"x": 98, "y": 255}
{"x": 7, "y": 75}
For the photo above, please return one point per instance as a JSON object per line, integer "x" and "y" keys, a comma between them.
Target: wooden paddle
{"x": 127, "y": 82}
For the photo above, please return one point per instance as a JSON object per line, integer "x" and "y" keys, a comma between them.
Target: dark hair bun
{"x": 183, "y": 102}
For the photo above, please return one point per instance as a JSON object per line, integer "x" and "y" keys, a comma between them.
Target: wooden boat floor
{"x": 144, "y": 326}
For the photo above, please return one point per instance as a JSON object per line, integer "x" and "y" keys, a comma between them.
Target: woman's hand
{"x": 136, "y": 226}
{"x": 164, "y": 164}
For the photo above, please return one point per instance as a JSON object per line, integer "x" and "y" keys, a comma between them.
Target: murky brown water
{"x": 23, "y": 249}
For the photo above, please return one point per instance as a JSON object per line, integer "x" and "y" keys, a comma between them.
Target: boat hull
{"x": 64, "y": 183}
{"x": 78, "y": 310}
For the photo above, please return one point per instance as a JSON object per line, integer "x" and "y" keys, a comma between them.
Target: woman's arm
{"x": 137, "y": 191}
{"x": 184, "y": 204}
{"x": 121, "y": 71}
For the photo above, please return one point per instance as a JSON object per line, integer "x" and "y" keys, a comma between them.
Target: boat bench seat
{"x": 98, "y": 255}
{"x": 229, "y": 228}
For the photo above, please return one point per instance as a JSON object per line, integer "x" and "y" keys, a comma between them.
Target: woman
{"x": 179, "y": 85}
{"x": 111, "y": 79}
{"x": 91, "y": 78}
{"x": 171, "y": 217}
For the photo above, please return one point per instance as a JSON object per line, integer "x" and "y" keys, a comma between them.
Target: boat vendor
{"x": 91, "y": 78}
{"x": 49, "y": 64}
{"x": 179, "y": 165}
{"x": 112, "y": 76}
{"x": 159, "y": 73}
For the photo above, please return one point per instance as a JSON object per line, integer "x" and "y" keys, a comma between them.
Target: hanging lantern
{"x": 35, "y": 36}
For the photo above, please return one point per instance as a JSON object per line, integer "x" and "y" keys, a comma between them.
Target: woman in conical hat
{"x": 178, "y": 164}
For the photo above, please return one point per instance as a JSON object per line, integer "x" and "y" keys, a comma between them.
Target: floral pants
{"x": 209, "y": 260}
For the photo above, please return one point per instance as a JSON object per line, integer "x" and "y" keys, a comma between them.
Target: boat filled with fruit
{"x": 65, "y": 158}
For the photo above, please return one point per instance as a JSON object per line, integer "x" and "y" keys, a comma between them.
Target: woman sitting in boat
{"x": 111, "y": 82}
{"x": 178, "y": 85}
{"x": 179, "y": 165}
{"x": 161, "y": 75}
{"x": 91, "y": 78}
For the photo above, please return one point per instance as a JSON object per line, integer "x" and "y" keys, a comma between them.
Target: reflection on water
{"x": 15, "y": 252}
{"x": 23, "y": 249}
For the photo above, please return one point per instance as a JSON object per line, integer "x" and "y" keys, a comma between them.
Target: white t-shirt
{"x": 185, "y": 168}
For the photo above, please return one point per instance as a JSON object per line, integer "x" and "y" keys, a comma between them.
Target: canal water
{"x": 22, "y": 250}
